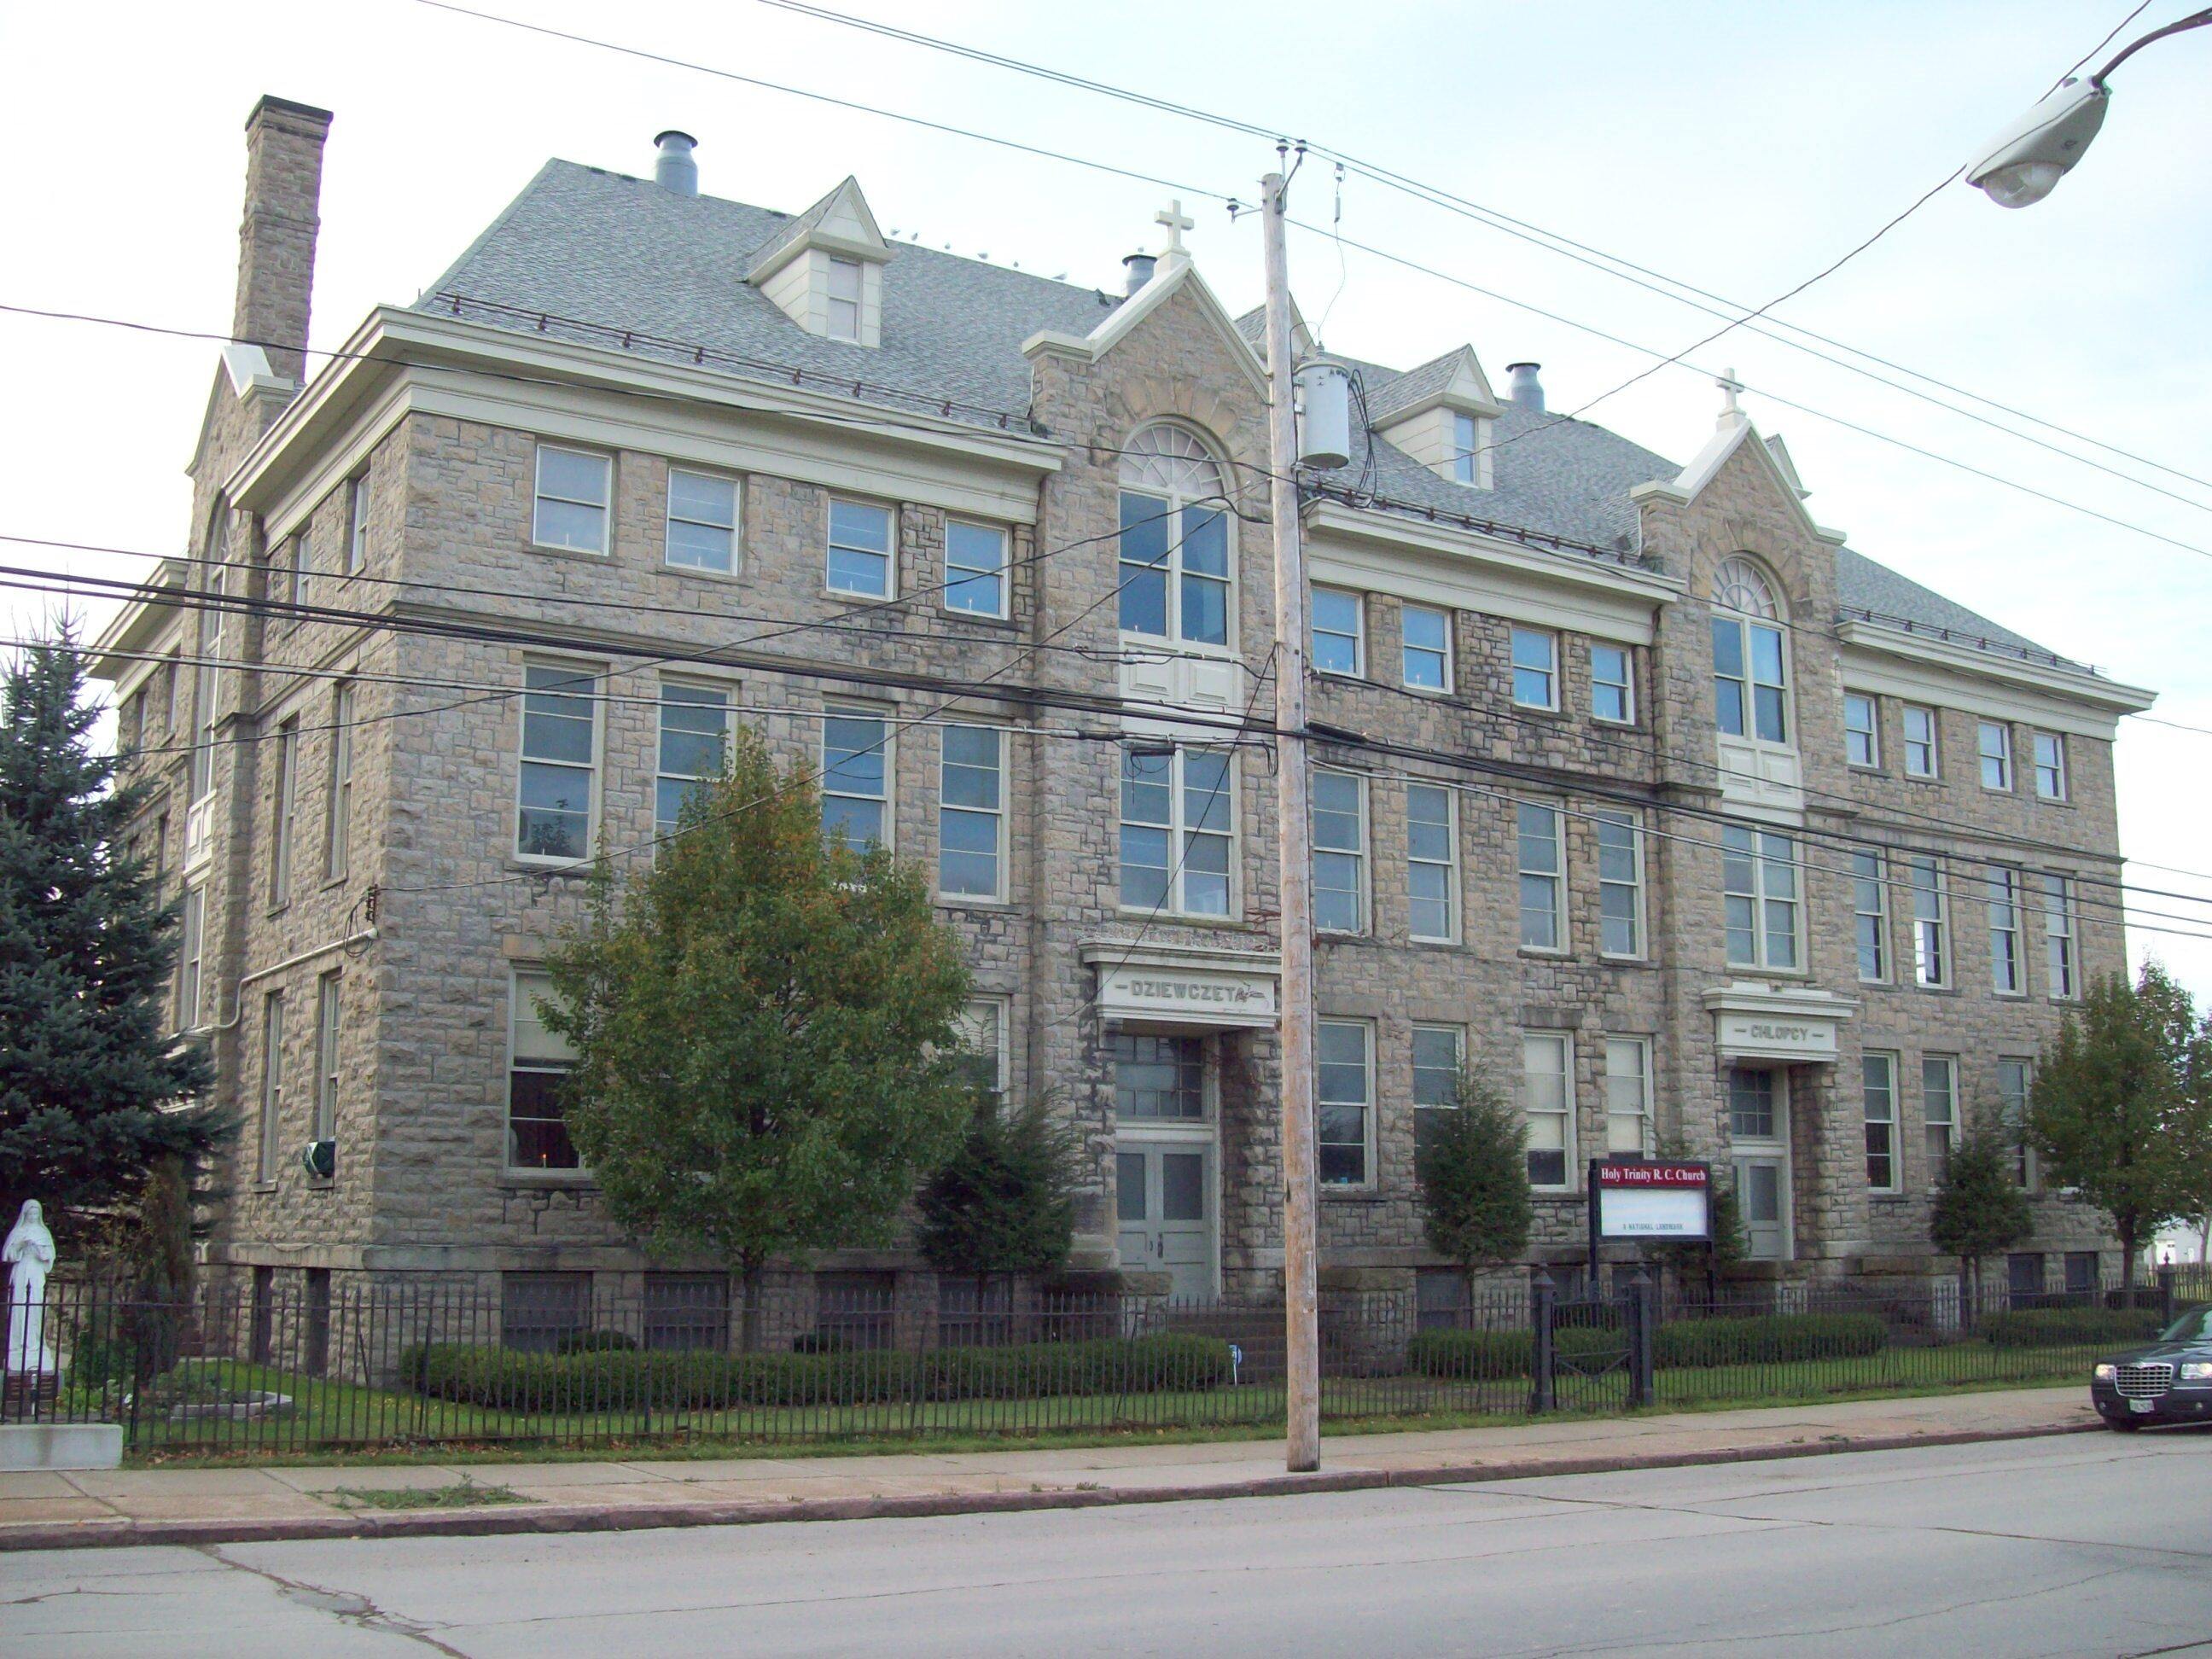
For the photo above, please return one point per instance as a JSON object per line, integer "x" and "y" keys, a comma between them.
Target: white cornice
{"x": 1878, "y": 657}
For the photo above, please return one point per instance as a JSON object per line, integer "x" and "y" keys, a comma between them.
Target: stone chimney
{"x": 276, "y": 239}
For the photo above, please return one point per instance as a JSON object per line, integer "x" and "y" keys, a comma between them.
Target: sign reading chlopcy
{"x": 1646, "y": 1198}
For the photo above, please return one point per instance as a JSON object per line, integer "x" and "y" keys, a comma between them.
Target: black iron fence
{"x": 270, "y": 1367}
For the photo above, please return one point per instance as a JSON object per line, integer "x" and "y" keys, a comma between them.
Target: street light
{"x": 2023, "y": 162}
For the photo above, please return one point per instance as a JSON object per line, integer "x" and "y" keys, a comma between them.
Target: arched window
{"x": 1751, "y": 687}
{"x": 1174, "y": 566}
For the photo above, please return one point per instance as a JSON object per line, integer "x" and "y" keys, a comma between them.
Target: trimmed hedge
{"x": 506, "y": 1379}
{"x": 2052, "y": 1327}
{"x": 1752, "y": 1340}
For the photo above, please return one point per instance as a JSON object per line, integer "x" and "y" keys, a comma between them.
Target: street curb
{"x": 539, "y": 1518}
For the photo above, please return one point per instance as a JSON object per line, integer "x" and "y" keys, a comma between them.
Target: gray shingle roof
{"x": 622, "y": 254}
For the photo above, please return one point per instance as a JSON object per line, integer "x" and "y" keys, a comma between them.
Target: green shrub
{"x": 606, "y": 1379}
{"x": 595, "y": 1342}
{"x": 2053, "y": 1327}
{"x": 1751, "y": 1340}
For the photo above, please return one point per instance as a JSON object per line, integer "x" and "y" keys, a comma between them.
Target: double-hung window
{"x": 1542, "y": 843}
{"x": 859, "y": 558}
{"x": 971, "y": 813}
{"x": 1939, "y": 1110}
{"x": 357, "y": 541}
{"x": 1750, "y": 673}
{"x": 1547, "y": 1096}
{"x": 1613, "y": 684}
{"x": 2016, "y": 1078}
{"x": 1178, "y": 826}
{"x": 1861, "y": 730}
{"x": 983, "y": 1027}
{"x": 1343, "y": 1099}
{"x": 1175, "y": 563}
{"x": 1870, "y": 915}
{"x": 337, "y": 796}
{"x": 294, "y": 577}
{"x": 191, "y": 947}
{"x": 1878, "y": 1096}
{"x": 1993, "y": 739}
{"x": 1758, "y": 882}
{"x": 285, "y": 813}
{"x": 856, "y": 772}
{"x": 559, "y": 774}
{"x": 1628, "y": 1096}
{"x": 2059, "y": 963}
{"x": 703, "y": 521}
{"x": 1931, "y": 921}
{"x": 207, "y": 700}
{"x": 1431, "y": 863}
{"x": 1339, "y": 629}
{"x": 539, "y": 1059}
{"x": 1425, "y": 661}
{"x": 1536, "y": 668}
{"x": 1340, "y": 852}
{"x": 2049, "y": 765}
{"x": 1619, "y": 884}
{"x": 975, "y": 569}
{"x": 1437, "y": 1054}
{"x": 694, "y": 729}
{"x": 2008, "y": 973}
{"x": 842, "y": 319}
{"x": 328, "y": 1027}
{"x": 268, "y": 1142}
{"x": 1923, "y": 757}
{"x": 1467, "y": 451}
{"x": 575, "y": 488}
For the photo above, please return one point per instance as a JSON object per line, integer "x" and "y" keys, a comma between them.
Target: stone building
{"x": 1640, "y": 789}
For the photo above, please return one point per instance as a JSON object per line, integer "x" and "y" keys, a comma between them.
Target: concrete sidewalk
{"x": 213, "y": 1505}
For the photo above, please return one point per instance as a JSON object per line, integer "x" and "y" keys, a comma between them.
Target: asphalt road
{"x": 2076, "y": 1546}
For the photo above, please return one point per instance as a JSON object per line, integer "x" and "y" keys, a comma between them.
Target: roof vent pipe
{"x": 1136, "y": 270}
{"x": 673, "y": 169}
{"x": 1525, "y": 389}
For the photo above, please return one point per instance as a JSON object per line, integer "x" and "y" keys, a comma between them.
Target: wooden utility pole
{"x": 1293, "y": 831}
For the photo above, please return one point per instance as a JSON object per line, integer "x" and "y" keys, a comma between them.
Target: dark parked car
{"x": 2168, "y": 1381}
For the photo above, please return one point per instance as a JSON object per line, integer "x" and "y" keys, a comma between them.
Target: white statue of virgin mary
{"x": 29, "y": 1256}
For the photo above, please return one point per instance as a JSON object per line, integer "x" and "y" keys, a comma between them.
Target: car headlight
{"x": 2108, "y": 1371}
{"x": 2196, "y": 1370}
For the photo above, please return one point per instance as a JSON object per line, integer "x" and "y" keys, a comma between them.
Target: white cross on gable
{"x": 1729, "y": 387}
{"x": 1176, "y": 221}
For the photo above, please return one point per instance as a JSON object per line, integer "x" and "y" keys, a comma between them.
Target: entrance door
{"x": 1164, "y": 1203}
{"x": 1759, "y": 1136}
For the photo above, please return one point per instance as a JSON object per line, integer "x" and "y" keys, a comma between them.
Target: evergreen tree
{"x": 765, "y": 1026}
{"x": 2122, "y": 1106}
{"x": 1005, "y": 1203}
{"x": 1472, "y": 1164}
{"x": 1979, "y": 1209}
{"x": 95, "y": 1093}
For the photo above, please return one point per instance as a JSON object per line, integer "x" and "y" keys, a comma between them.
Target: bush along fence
{"x": 329, "y": 1361}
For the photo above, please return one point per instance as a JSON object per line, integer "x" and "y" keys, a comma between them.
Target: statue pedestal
{"x": 60, "y": 1446}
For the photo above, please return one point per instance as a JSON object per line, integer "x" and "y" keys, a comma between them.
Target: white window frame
{"x": 999, "y": 575}
{"x": 1465, "y": 448}
{"x": 1176, "y": 507}
{"x": 1550, "y": 639}
{"x": 1456, "y": 1035}
{"x": 357, "y": 505}
{"x": 1892, "y": 1151}
{"x": 1743, "y": 841}
{"x": 329, "y": 1028}
{"x": 947, "y": 809}
{"x": 2000, "y": 757}
{"x": 520, "y": 975}
{"x": 1605, "y": 820}
{"x": 1863, "y": 744}
{"x": 1179, "y": 828}
{"x": 887, "y": 749}
{"x": 192, "y": 956}
{"x": 2012, "y": 1117}
{"x": 888, "y": 553}
{"x": 1357, "y": 635}
{"x": 337, "y": 796}
{"x": 296, "y": 569}
{"x": 570, "y": 675}
{"x": 1929, "y": 749}
{"x": 283, "y": 833}
{"x": 1448, "y": 864}
{"x": 841, "y": 312}
{"x": 1408, "y": 651}
{"x": 1870, "y": 882}
{"x": 1947, "y": 1067}
{"x": 1625, "y": 684}
{"x": 1354, "y": 857}
{"x": 1635, "y": 1079}
{"x": 2053, "y": 770}
{"x": 207, "y": 702}
{"x": 2008, "y": 955}
{"x": 688, "y": 694}
{"x": 1322, "y": 1102}
{"x": 983, "y": 1024}
{"x": 733, "y": 530}
{"x": 1565, "y": 1076}
{"x": 2062, "y": 942}
{"x": 1932, "y": 966}
{"x": 604, "y": 507}
{"x": 1523, "y": 840}
{"x": 268, "y": 1143}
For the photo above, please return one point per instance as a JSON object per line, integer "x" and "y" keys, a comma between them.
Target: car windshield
{"x": 2195, "y": 1326}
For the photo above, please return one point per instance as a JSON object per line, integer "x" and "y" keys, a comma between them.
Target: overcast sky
{"x": 1738, "y": 147}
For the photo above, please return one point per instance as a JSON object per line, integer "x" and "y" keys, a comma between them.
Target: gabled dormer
{"x": 825, "y": 270}
{"x": 1442, "y": 414}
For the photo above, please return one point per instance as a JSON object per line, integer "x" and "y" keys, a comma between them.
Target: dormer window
{"x": 1465, "y": 447}
{"x": 844, "y": 299}
{"x": 825, "y": 270}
